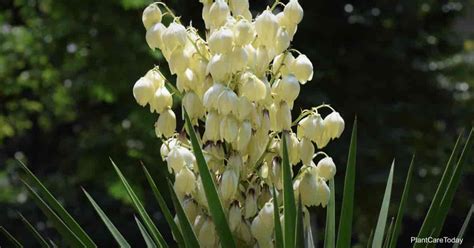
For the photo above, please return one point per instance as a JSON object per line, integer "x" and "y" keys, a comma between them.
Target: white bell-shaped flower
{"x": 302, "y": 68}
{"x": 156, "y": 78}
{"x": 162, "y": 100}
{"x": 166, "y": 124}
{"x": 287, "y": 89}
{"x": 240, "y": 7}
{"x": 238, "y": 59}
{"x": 229, "y": 128}
{"x": 191, "y": 209}
{"x": 334, "y": 125}
{"x": 151, "y": 15}
{"x": 243, "y": 137}
{"x": 175, "y": 35}
{"x": 282, "y": 40}
{"x": 250, "y": 206}
{"x": 262, "y": 59}
{"x": 252, "y": 88}
{"x": 179, "y": 61}
{"x": 326, "y": 168}
{"x": 284, "y": 116}
{"x": 266, "y": 26}
{"x": 219, "y": 67}
{"x": 244, "y": 32}
{"x": 281, "y": 63}
{"x": 322, "y": 193}
{"x": 306, "y": 151}
{"x": 143, "y": 91}
{"x": 260, "y": 231}
{"x": 228, "y": 185}
{"x": 184, "y": 181}
{"x": 235, "y": 216}
{"x": 308, "y": 187}
{"x": 221, "y": 40}
{"x": 207, "y": 235}
{"x": 244, "y": 108}
{"x": 213, "y": 122}
{"x": 153, "y": 36}
{"x": 193, "y": 105}
{"x": 293, "y": 11}
{"x": 266, "y": 215}
{"x": 211, "y": 96}
{"x": 227, "y": 102}
{"x": 218, "y": 13}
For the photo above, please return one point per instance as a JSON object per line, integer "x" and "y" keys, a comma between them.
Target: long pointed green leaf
{"x": 345, "y": 220}
{"x": 35, "y": 232}
{"x": 215, "y": 205}
{"x": 186, "y": 228}
{"x": 289, "y": 210}
{"x": 276, "y": 219}
{"x": 464, "y": 225}
{"x": 299, "y": 232}
{"x": 388, "y": 235}
{"x": 146, "y": 236}
{"x": 401, "y": 208}
{"x": 10, "y": 238}
{"x": 65, "y": 232}
{"x": 58, "y": 208}
{"x": 330, "y": 230}
{"x": 452, "y": 187}
{"x": 164, "y": 209}
{"x": 382, "y": 221}
{"x": 154, "y": 232}
{"x": 428, "y": 222}
{"x": 112, "y": 229}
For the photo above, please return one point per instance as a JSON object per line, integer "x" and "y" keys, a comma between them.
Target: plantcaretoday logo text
{"x": 433, "y": 240}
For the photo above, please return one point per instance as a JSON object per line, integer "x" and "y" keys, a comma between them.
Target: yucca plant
{"x": 242, "y": 176}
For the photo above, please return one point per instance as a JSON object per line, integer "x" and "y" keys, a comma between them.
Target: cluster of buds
{"x": 239, "y": 82}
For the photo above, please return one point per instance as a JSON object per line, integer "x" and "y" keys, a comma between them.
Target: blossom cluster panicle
{"x": 239, "y": 82}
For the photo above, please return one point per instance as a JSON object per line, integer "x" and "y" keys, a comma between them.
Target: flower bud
{"x": 166, "y": 124}
{"x": 235, "y": 216}
{"x": 153, "y": 36}
{"x": 306, "y": 151}
{"x": 252, "y": 88}
{"x": 302, "y": 68}
{"x": 229, "y": 184}
{"x": 326, "y": 168}
{"x": 250, "y": 205}
{"x": 219, "y": 67}
{"x": 213, "y": 122}
{"x": 193, "y": 105}
{"x": 266, "y": 26}
{"x": 334, "y": 125}
{"x": 175, "y": 35}
{"x": 211, "y": 96}
{"x": 184, "y": 181}
{"x": 218, "y": 13}
{"x": 221, "y": 40}
{"x": 282, "y": 40}
{"x": 227, "y": 102}
{"x": 207, "y": 235}
{"x": 243, "y": 137}
{"x": 286, "y": 89}
{"x": 293, "y": 11}
{"x": 162, "y": 100}
{"x": 229, "y": 128}
{"x": 244, "y": 32}
{"x": 143, "y": 91}
{"x": 151, "y": 15}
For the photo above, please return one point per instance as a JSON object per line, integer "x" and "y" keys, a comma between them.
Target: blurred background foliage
{"x": 405, "y": 68}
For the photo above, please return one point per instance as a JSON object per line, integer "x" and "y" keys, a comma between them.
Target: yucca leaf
{"x": 299, "y": 232}
{"x": 43, "y": 243}
{"x": 330, "y": 229}
{"x": 14, "y": 242}
{"x": 215, "y": 205}
{"x": 371, "y": 238}
{"x": 289, "y": 210}
{"x": 276, "y": 219}
{"x": 137, "y": 204}
{"x": 345, "y": 220}
{"x": 382, "y": 220}
{"x": 464, "y": 225}
{"x": 112, "y": 229}
{"x": 428, "y": 223}
{"x": 58, "y": 208}
{"x": 388, "y": 235}
{"x": 146, "y": 236}
{"x": 452, "y": 187}
{"x": 186, "y": 228}
{"x": 401, "y": 208}
{"x": 69, "y": 236}
{"x": 164, "y": 209}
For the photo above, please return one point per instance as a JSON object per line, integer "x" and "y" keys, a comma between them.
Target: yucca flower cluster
{"x": 238, "y": 84}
